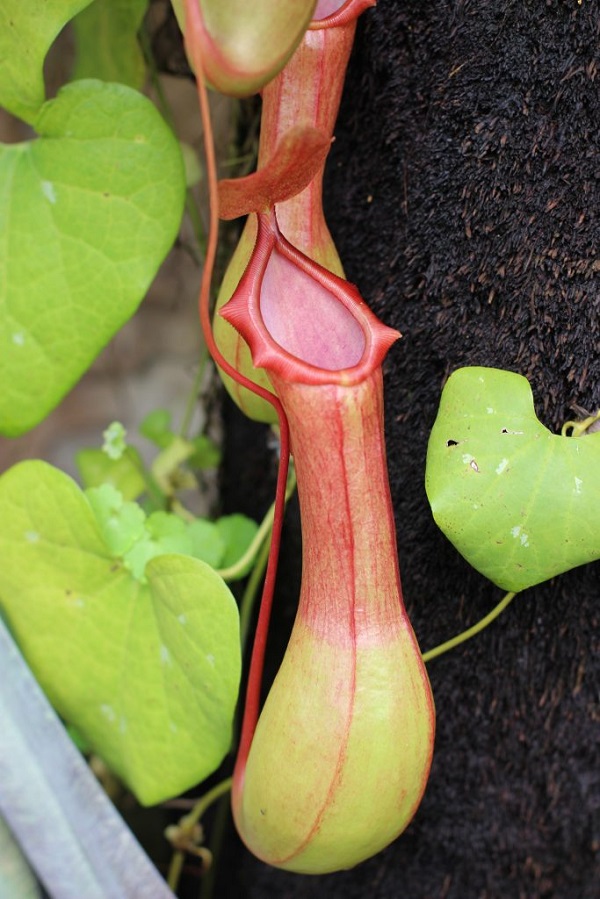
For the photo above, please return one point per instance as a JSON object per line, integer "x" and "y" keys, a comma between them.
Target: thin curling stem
{"x": 252, "y": 705}
{"x": 471, "y": 631}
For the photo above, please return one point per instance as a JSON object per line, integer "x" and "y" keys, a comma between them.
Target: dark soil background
{"x": 463, "y": 194}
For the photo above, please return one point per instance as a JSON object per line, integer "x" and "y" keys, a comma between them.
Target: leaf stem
{"x": 229, "y": 574}
{"x": 215, "y": 846}
{"x": 578, "y": 427}
{"x": 188, "y": 822}
{"x": 205, "y": 802}
{"x": 155, "y": 494}
{"x": 471, "y": 631}
{"x": 175, "y": 869}
{"x": 247, "y": 603}
{"x": 193, "y": 29}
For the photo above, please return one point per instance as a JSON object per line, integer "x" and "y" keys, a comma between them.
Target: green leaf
{"x": 207, "y": 542}
{"x": 95, "y": 468}
{"x": 148, "y": 673}
{"x": 107, "y": 44}
{"x": 237, "y": 533}
{"x": 169, "y": 530}
{"x": 55, "y": 807}
{"x": 206, "y": 453}
{"x": 27, "y": 29}
{"x": 17, "y": 880}
{"x": 156, "y": 426}
{"x": 164, "y": 533}
{"x": 199, "y": 538}
{"x": 519, "y": 503}
{"x": 121, "y": 523}
{"x": 135, "y": 539}
{"x": 88, "y": 212}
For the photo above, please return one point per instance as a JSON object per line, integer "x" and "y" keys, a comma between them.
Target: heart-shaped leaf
{"x": 237, "y": 533}
{"x": 146, "y": 669}
{"x": 27, "y": 29}
{"x": 87, "y": 214}
{"x": 62, "y": 818}
{"x": 96, "y": 467}
{"x": 519, "y": 503}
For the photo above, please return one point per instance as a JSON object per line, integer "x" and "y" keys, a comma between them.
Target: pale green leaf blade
{"x": 27, "y": 29}
{"x": 206, "y": 453}
{"x": 121, "y": 523}
{"x": 96, "y": 468}
{"x": 55, "y": 807}
{"x": 197, "y": 618}
{"x": 87, "y": 214}
{"x": 237, "y": 532}
{"x": 148, "y": 672}
{"x": 519, "y": 503}
{"x": 156, "y": 426}
{"x": 207, "y": 542}
{"x": 106, "y": 42}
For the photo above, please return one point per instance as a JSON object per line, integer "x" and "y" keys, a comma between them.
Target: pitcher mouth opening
{"x": 333, "y": 13}
{"x": 300, "y": 320}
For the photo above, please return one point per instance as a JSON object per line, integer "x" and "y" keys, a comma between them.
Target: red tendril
{"x": 252, "y": 704}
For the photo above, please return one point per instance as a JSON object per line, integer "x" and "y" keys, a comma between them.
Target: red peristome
{"x": 302, "y": 322}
